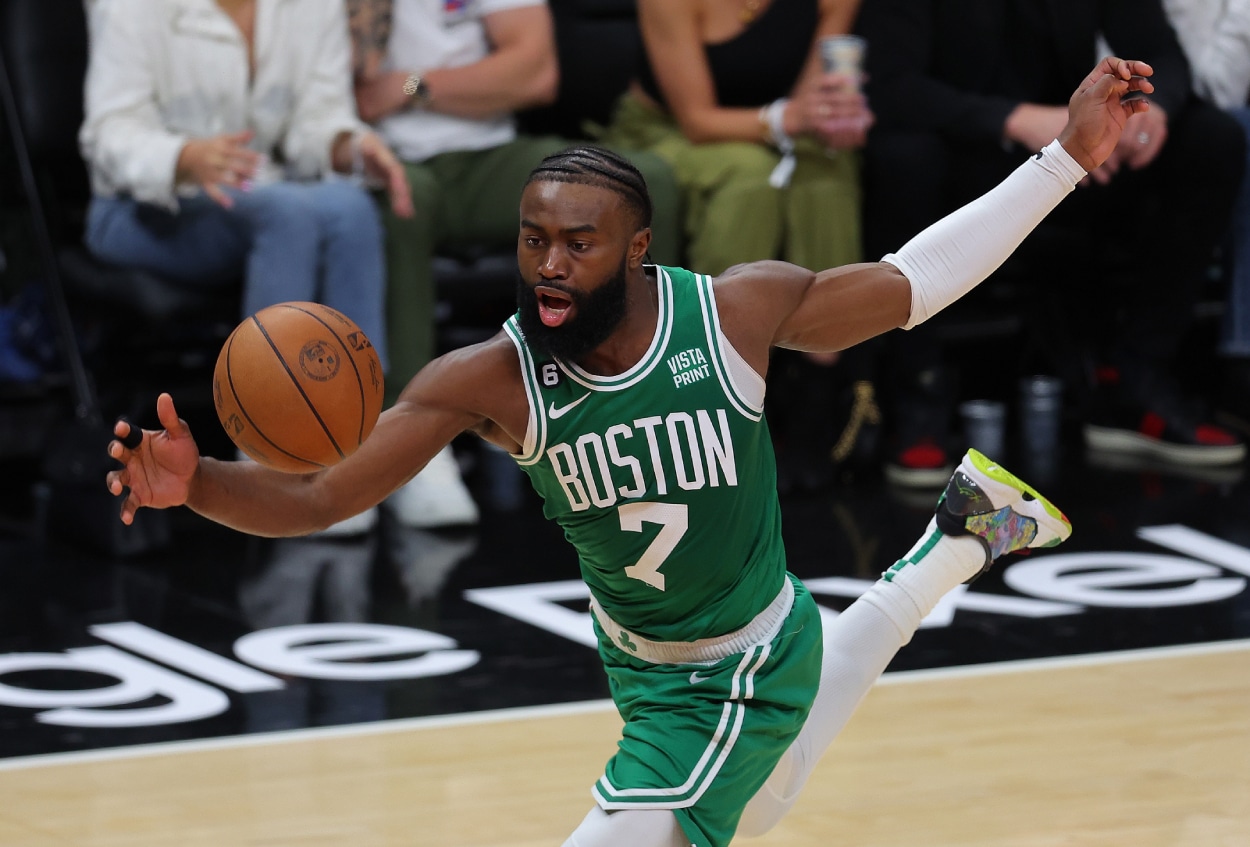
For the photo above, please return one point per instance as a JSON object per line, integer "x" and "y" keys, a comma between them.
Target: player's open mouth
{"x": 554, "y": 306}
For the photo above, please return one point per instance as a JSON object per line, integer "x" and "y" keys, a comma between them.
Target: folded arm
{"x": 519, "y": 72}
{"x": 676, "y": 49}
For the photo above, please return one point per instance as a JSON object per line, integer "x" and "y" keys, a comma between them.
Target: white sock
{"x": 936, "y": 564}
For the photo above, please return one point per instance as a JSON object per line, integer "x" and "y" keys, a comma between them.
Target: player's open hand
{"x": 1097, "y": 110}
{"x": 159, "y": 469}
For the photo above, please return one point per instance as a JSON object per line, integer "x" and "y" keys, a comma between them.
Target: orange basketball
{"x": 298, "y": 386}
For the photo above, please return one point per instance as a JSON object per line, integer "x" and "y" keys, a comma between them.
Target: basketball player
{"x": 631, "y": 394}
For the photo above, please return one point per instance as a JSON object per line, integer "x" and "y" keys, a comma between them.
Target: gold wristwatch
{"x": 417, "y": 91}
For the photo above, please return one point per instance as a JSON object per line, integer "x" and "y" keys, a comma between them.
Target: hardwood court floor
{"x": 1150, "y": 749}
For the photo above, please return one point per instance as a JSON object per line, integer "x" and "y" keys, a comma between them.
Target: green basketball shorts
{"x": 701, "y": 738}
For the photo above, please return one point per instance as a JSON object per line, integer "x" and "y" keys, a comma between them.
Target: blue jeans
{"x": 1236, "y": 336}
{"x": 319, "y": 242}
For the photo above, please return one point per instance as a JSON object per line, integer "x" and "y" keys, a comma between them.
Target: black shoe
{"x": 1233, "y": 407}
{"x": 918, "y": 456}
{"x": 1155, "y": 419}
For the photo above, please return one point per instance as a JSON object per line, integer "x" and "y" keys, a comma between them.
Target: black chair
{"x": 599, "y": 47}
{"x": 122, "y": 316}
{"x": 122, "y": 333}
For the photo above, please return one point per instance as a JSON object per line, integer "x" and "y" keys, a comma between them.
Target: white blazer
{"x": 164, "y": 71}
{"x": 1215, "y": 35}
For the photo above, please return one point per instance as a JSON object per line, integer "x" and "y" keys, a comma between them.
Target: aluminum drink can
{"x": 843, "y": 54}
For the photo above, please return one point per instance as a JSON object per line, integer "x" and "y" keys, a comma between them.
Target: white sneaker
{"x": 355, "y": 525}
{"x": 424, "y": 558}
{"x": 435, "y": 497}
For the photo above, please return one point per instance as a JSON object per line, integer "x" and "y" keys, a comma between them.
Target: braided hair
{"x": 589, "y": 165}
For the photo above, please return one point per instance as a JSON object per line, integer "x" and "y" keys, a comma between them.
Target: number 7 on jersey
{"x": 673, "y": 519}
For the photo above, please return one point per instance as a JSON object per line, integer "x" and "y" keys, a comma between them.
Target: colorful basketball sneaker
{"x": 1006, "y": 514}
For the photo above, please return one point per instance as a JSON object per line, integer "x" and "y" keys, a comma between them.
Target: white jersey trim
{"x": 604, "y": 792}
{"x": 535, "y": 428}
{"x": 761, "y": 629}
{"x": 748, "y": 383}
{"x": 705, "y": 770}
{"x": 643, "y": 367}
{"x": 742, "y": 385}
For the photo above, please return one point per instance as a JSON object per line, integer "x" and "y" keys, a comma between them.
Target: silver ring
{"x": 1143, "y": 138}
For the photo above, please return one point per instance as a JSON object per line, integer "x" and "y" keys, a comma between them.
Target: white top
{"x": 1215, "y": 35}
{"x": 164, "y": 71}
{"x": 428, "y": 34}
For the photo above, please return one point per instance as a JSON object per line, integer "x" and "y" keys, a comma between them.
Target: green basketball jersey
{"x": 663, "y": 477}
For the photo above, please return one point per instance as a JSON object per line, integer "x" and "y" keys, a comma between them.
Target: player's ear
{"x": 638, "y": 246}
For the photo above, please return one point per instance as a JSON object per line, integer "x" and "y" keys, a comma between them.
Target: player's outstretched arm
{"x": 162, "y": 468}
{"x": 165, "y": 469}
{"x": 450, "y": 395}
{"x": 837, "y": 308}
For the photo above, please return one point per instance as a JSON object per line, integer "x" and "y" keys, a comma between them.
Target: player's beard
{"x": 596, "y": 315}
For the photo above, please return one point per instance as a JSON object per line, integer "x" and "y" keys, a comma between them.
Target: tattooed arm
{"x": 370, "y": 22}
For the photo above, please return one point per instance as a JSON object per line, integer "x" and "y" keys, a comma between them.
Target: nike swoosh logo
{"x": 556, "y": 412}
{"x": 695, "y": 679}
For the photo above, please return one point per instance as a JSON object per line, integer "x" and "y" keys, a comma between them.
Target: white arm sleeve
{"x": 950, "y": 258}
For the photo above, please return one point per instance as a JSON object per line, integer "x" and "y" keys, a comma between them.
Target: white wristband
{"x": 775, "y": 116}
{"x": 775, "y": 112}
{"x": 358, "y": 158}
{"x": 952, "y": 256}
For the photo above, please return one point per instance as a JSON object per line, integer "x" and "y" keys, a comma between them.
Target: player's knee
{"x": 635, "y": 827}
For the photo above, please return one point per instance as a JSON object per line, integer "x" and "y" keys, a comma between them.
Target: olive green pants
{"x": 732, "y": 213}
{"x": 472, "y": 198}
